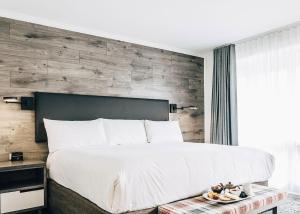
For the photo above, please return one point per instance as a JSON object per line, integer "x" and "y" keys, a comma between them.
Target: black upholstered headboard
{"x": 85, "y": 107}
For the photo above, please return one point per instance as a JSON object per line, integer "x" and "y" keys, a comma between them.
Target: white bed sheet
{"x": 134, "y": 177}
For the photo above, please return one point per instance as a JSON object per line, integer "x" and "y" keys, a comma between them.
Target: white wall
{"x": 208, "y": 73}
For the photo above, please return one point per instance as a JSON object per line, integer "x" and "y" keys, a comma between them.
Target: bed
{"x": 135, "y": 178}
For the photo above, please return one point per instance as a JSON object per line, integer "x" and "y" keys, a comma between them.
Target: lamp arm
{"x": 188, "y": 107}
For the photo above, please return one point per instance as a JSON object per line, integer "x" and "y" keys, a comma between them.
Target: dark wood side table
{"x": 22, "y": 186}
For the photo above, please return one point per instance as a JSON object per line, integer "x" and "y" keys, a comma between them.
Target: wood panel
{"x": 64, "y": 39}
{"x": 40, "y": 58}
{"x": 22, "y": 64}
{"x": 4, "y": 29}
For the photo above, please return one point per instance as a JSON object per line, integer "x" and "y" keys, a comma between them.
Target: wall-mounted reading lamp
{"x": 173, "y": 108}
{"x": 27, "y": 103}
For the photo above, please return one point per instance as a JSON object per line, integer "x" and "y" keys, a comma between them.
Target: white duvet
{"x": 128, "y": 178}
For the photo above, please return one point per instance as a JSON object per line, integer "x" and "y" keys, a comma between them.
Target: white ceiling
{"x": 187, "y": 26}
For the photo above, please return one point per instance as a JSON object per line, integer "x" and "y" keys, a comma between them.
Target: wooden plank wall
{"x": 41, "y": 58}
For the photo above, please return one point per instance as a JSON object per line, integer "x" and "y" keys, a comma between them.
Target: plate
{"x": 205, "y": 195}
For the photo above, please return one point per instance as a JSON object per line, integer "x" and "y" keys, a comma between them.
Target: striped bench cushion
{"x": 264, "y": 196}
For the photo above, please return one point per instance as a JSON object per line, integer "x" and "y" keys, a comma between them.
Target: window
{"x": 268, "y": 96}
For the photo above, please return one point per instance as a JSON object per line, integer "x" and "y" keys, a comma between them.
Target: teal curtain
{"x": 224, "y": 105}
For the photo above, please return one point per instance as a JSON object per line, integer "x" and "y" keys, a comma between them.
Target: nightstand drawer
{"x": 13, "y": 201}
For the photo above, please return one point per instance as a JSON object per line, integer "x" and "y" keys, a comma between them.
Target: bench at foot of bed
{"x": 265, "y": 199}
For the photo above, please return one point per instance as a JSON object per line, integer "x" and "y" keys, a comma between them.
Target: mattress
{"x": 134, "y": 177}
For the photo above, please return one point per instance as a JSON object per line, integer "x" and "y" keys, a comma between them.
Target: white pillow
{"x": 163, "y": 132}
{"x": 71, "y": 134}
{"x": 125, "y": 132}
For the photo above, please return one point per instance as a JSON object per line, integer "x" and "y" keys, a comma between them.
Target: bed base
{"x": 62, "y": 200}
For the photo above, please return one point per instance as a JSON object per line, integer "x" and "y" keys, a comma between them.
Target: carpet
{"x": 290, "y": 206}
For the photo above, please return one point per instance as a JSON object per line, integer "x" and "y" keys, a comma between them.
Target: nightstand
{"x": 22, "y": 186}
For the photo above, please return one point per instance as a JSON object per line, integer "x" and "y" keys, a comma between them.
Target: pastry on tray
{"x": 225, "y": 198}
{"x": 222, "y": 197}
{"x": 232, "y": 196}
{"x": 213, "y": 195}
